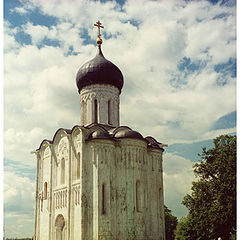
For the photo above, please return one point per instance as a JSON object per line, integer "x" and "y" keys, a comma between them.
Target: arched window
{"x": 103, "y": 199}
{"x": 83, "y": 105}
{"x": 160, "y": 194}
{"x": 160, "y": 200}
{"x": 59, "y": 227}
{"x": 139, "y": 196}
{"x": 63, "y": 171}
{"x": 45, "y": 190}
{"x": 152, "y": 163}
{"x": 41, "y": 202}
{"x": 78, "y": 165}
{"x": 95, "y": 111}
{"x": 109, "y": 112}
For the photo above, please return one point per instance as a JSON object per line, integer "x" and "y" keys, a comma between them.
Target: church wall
{"x": 104, "y": 152}
{"x": 44, "y": 171}
{"x": 133, "y": 166}
{"x": 131, "y": 174}
{"x": 102, "y": 93}
{"x": 76, "y": 212}
{"x": 60, "y": 191}
{"x": 119, "y": 166}
{"x": 121, "y": 193}
{"x": 86, "y": 192}
{"x": 155, "y": 187}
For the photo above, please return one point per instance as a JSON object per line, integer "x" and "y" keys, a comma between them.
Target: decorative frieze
{"x": 60, "y": 198}
{"x": 62, "y": 146}
{"x": 76, "y": 194}
{"x": 99, "y": 103}
{"x": 46, "y": 152}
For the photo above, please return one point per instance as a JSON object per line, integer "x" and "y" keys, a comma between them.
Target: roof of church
{"x": 99, "y": 70}
{"x": 100, "y": 131}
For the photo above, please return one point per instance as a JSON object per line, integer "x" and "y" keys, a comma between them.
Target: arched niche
{"x": 77, "y": 136}
{"x": 59, "y": 227}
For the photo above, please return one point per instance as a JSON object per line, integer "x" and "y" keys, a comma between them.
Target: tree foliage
{"x": 185, "y": 229}
{"x": 212, "y": 203}
{"x": 170, "y": 223}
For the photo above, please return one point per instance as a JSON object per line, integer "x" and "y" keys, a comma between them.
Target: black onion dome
{"x": 99, "y": 71}
{"x": 152, "y": 142}
{"x": 127, "y": 133}
{"x": 99, "y": 134}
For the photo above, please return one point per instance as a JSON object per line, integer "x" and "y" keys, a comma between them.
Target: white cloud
{"x": 19, "y": 194}
{"x": 37, "y": 32}
{"x": 178, "y": 176}
{"x": 24, "y": 9}
{"x": 18, "y": 191}
{"x": 9, "y": 42}
{"x": 215, "y": 133}
{"x": 18, "y": 144}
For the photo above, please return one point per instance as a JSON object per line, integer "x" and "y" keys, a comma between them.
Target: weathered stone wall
{"x": 76, "y": 204}
{"x": 43, "y": 192}
{"x": 60, "y": 190}
{"x": 102, "y": 93}
{"x": 117, "y": 194}
{"x": 120, "y": 167}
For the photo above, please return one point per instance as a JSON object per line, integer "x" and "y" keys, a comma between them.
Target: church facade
{"x": 99, "y": 180}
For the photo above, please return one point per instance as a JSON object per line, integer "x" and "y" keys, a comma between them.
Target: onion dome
{"x": 152, "y": 142}
{"x": 99, "y": 71}
{"x": 127, "y": 133}
{"x": 99, "y": 134}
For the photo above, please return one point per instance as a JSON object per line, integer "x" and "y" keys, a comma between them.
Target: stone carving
{"x": 78, "y": 140}
{"x": 76, "y": 194}
{"x": 46, "y": 152}
{"x": 60, "y": 198}
{"x": 122, "y": 197}
{"x": 62, "y": 146}
{"x": 84, "y": 200}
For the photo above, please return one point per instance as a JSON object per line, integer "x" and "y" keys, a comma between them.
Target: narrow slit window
{"x": 160, "y": 201}
{"x": 84, "y": 112}
{"x": 138, "y": 196}
{"x": 95, "y": 111}
{"x": 152, "y": 164}
{"x": 109, "y": 112}
{"x": 63, "y": 171}
{"x": 41, "y": 202}
{"x": 160, "y": 195}
{"x": 78, "y": 166}
{"x": 45, "y": 190}
{"x": 103, "y": 199}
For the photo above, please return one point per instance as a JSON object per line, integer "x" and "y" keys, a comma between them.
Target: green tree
{"x": 170, "y": 223}
{"x": 212, "y": 203}
{"x": 185, "y": 229}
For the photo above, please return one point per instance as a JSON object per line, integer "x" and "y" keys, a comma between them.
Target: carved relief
{"x": 46, "y": 152}
{"x": 122, "y": 197}
{"x": 104, "y": 95}
{"x": 76, "y": 194}
{"x": 60, "y": 198}
{"x": 84, "y": 201}
{"x": 101, "y": 94}
{"x": 159, "y": 164}
{"x": 62, "y": 146}
{"x": 78, "y": 140}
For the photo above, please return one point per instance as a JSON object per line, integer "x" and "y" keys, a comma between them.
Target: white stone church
{"x": 99, "y": 180}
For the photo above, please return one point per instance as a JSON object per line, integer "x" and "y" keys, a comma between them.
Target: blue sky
{"x": 178, "y": 59}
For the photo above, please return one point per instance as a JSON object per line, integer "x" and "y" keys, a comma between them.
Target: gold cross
{"x": 98, "y": 24}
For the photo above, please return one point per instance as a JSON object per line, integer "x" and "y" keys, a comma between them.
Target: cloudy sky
{"x": 178, "y": 59}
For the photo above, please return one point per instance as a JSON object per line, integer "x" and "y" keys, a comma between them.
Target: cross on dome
{"x": 99, "y": 25}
